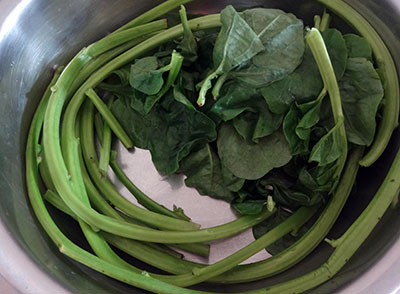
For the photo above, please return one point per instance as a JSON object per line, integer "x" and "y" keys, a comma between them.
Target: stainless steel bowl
{"x": 37, "y": 34}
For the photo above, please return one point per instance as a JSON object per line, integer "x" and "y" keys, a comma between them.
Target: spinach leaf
{"x": 358, "y": 47}
{"x": 283, "y": 38}
{"x": 236, "y": 44}
{"x": 204, "y": 172}
{"x": 296, "y": 144}
{"x": 328, "y": 149}
{"x": 278, "y": 96}
{"x": 145, "y": 77}
{"x": 305, "y": 83}
{"x": 249, "y": 206}
{"x": 170, "y": 130}
{"x": 235, "y": 99}
{"x": 337, "y": 50}
{"x": 248, "y": 160}
{"x": 253, "y": 126}
{"x": 361, "y": 92}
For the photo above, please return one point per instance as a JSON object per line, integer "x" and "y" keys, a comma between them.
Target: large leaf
{"x": 283, "y": 38}
{"x": 337, "y": 50}
{"x": 248, "y": 160}
{"x": 204, "y": 172}
{"x": 169, "y": 131}
{"x": 361, "y": 92}
{"x": 358, "y": 47}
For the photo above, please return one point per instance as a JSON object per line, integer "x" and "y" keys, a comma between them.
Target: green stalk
{"x": 142, "y": 198}
{"x": 306, "y": 244}
{"x": 321, "y": 56}
{"x": 386, "y": 67}
{"x": 154, "y": 13}
{"x": 325, "y": 21}
{"x": 351, "y": 240}
{"x": 58, "y": 170}
{"x": 108, "y": 189}
{"x": 105, "y": 149}
{"x": 198, "y": 275}
{"x": 99, "y": 127}
{"x": 109, "y": 118}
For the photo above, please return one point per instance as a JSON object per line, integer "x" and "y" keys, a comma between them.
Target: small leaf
{"x": 296, "y": 144}
{"x": 249, "y": 207}
{"x": 145, "y": 77}
{"x": 358, "y": 47}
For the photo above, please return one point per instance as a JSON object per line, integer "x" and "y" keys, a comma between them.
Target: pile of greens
{"x": 253, "y": 107}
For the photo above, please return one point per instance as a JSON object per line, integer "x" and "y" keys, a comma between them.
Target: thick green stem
{"x": 218, "y": 85}
{"x": 388, "y": 70}
{"x": 105, "y": 149}
{"x": 109, "y": 118}
{"x": 154, "y": 13}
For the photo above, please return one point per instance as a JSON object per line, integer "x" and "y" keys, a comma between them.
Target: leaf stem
{"x": 105, "y": 149}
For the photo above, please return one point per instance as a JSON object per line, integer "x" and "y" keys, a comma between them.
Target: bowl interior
{"x": 39, "y": 34}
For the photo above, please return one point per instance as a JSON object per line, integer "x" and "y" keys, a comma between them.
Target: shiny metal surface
{"x": 37, "y": 34}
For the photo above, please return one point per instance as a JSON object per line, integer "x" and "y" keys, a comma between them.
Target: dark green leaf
{"x": 253, "y": 126}
{"x": 204, "y": 172}
{"x": 169, "y": 131}
{"x": 296, "y": 144}
{"x": 358, "y": 47}
{"x": 309, "y": 120}
{"x": 145, "y": 77}
{"x": 361, "y": 92}
{"x": 328, "y": 149}
{"x": 278, "y": 96}
{"x": 249, "y": 207}
{"x": 248, "y": 160}
{"x": 235, "y": 99}
{"x": 337, "y": 51}
{"x": 283, "y": 38}
{"x": 237, "y": 42}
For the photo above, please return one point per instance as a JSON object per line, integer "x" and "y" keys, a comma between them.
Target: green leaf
{"x": 236, "y": 44}
{"x": 248, "y": 160}
{"x": 204, "y": 172}
{"x": 253, "y": 126}
{"x": 328, "y": 149}
{"x": 337, "y": 50}
{"x": 358, "y": 47}
{"x": 169, "y": 131}
{"x": 309, "y": 120}
{"x": 249, "y": 207}
{"x": 278, "y": 96}
{"x": 145, "y": 77}
{"x": 296, "y": 144}
{"x": 283, "y": 38}
{"x": 361, "y": 92}
{"x": 235, "y": 99}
